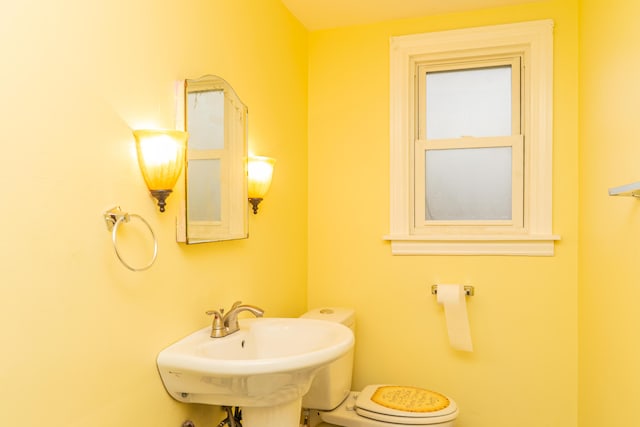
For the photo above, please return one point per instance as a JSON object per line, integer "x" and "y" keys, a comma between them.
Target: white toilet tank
{"x": 332, "y": 384}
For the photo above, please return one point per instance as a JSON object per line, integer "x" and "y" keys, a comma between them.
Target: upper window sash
{"x": 425, "y": 70}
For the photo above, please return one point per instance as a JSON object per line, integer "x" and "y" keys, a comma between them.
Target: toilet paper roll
{"x": 452, "y": 297}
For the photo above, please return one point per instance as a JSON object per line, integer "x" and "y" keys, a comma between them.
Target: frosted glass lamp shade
{"x": 161, "y": 158}
{"x": 260, "y": 172}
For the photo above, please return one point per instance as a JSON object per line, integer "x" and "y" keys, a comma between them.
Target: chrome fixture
{"x": 468, "y": 290}
{"x": 226, "y": 324}
{"x": 632, "y": 190}
{"x": 115, "y": 217}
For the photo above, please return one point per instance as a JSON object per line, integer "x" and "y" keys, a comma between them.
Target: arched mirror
{"x": 215, "y": 177}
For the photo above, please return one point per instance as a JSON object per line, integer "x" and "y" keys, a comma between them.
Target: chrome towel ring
{"x": 114, "y": 217}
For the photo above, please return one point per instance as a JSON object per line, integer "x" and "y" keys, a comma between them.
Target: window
{"x": 471, "y": 141}
{"x": 469, "y": 148}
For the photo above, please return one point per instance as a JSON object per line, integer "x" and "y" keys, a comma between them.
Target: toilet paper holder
{"x": 468, "y": 290}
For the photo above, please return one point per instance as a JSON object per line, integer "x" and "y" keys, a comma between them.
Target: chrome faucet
{"x": 225, "y": 324}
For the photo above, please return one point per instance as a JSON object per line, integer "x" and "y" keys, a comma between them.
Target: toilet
{"x": 331, "y": 403}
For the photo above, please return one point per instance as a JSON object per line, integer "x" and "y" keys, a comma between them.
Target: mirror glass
{"x": 216, "y": 179}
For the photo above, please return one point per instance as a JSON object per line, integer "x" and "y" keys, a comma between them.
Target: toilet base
{"x": 313, "y": 420}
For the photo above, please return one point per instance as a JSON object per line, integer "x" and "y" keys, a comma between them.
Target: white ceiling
{"x": 323, "y": 14}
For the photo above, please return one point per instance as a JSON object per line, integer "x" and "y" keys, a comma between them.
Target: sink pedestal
{"x": 283, "y": 415}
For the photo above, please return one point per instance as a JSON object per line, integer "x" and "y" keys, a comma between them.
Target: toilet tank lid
{"x": 346, "y": 316}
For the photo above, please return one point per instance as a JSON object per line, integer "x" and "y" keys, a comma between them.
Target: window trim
{"x": 534, "y": 40}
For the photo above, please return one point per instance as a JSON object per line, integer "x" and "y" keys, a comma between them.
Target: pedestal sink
{"x": 265, "y": 367}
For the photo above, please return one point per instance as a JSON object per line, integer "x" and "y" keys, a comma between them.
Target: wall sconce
{"x": 260, "y": 171}
{"x": 160, "y": 156}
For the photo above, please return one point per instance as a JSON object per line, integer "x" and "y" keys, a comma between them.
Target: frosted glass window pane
{"x": 205, "y": 111}
{"x": 468, "y": 184}
{"x": 203, "y": 178}
{"x": 471, "y": 102}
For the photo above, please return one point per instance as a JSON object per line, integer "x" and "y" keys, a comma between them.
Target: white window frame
{"x": 534, "y": 42}
{"x": 514, "y": 141}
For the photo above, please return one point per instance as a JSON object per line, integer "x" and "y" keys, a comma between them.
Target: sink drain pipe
{"x": 234, "y": 417}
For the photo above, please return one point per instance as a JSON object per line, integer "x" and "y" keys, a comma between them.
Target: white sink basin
{"x": 268, "y": 362}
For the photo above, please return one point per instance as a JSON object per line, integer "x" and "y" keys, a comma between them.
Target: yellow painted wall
{"x": 524, "y": 315}
{"x": 80, "y": 333}
{"x": 609, "y": 227}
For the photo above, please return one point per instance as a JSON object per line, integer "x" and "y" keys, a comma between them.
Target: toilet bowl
{"x": 330, "y": 403}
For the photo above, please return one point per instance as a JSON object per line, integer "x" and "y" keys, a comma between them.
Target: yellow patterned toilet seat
{"x": 409, "y": 399}
{"x": 404, "y": 405}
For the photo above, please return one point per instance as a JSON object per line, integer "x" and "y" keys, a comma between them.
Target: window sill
{"x": 527, "y": 245}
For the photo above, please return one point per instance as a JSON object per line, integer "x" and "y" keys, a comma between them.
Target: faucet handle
{"x": 217, "y": 328}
